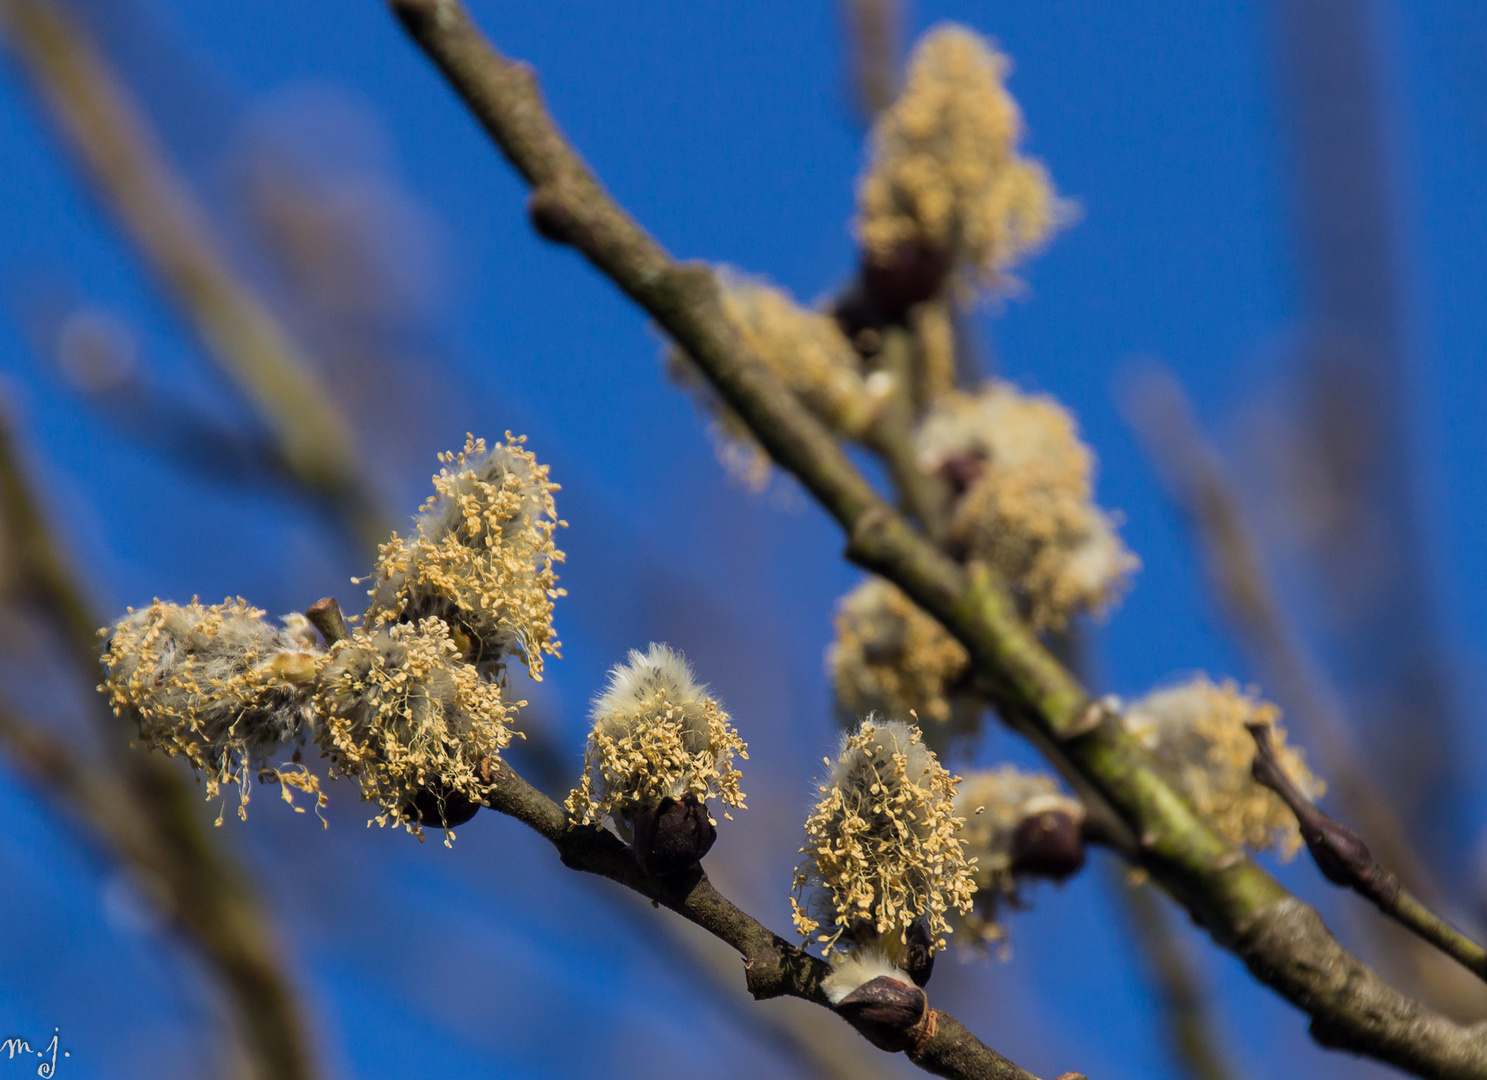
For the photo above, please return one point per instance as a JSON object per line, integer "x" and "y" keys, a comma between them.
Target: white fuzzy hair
{"x": 849, "y": 970}
{"x": 658, "y": 668}
{"x": 854, "y": 769}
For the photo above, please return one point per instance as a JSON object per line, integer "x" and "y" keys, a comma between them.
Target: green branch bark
{"x": 1281, "y": 939}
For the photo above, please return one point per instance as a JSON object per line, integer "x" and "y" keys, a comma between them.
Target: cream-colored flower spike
{"x": 1027, "y": 503}
{"x": 891, "y": 658}
{"x": 999, "y": 805}
{"x": 805, "y": 350}
{"x": 404, "y": 714}
{"x": 1197, "y": 732}
{"x": 481, "y": 559}
{"x": 218, "y": 685}
{"x": 946, "y": 179}
{"x": 660, "y": 745}
{"x": 881, "y": 850}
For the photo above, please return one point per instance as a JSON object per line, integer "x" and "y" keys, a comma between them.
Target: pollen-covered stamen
{"x": 1027, "y": 509}
{"x": 661, "y": 747}
{"x": 947, "y": 189}
{"x": 881, "y": 849}
{"x": 220, "y": 686}
{"x": 405, "y": 715}
{"x": 1197, "y": 732}
{"x": 481, "y": 559}
{"x": 892, "y": 659}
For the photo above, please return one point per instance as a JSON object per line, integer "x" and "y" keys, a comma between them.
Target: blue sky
{"x": 727, "y": 130}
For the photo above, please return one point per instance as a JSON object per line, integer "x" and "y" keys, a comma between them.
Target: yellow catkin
{"x": 994, "y": 802}
{"x": 881, "y": 849}
{"x": 946, "y": 173}
{"x": 891, "y": 658}
{"x": 1197, "y": 733}
{"x": 804, "y": 349}
{"x": 402, "y": 712}
{"x": 656, "y": 733}
{"x": 1027, "y": 509}
{"x": 481, "y": 558}
{"x": 217, "y": 685}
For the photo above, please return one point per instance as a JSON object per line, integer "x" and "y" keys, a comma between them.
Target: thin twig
{"x": 1281, "y": 939}
{"x": 873, "y": 47}
{"x": 1345, "y": 860}
{"x": 155, "y": 207}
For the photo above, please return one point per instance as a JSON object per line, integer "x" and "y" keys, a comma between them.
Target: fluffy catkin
{"x": 402, "y": 712}
{"x": 946, "y": 174}
{"x": 891, "y": 658}
{"x": 481, "y": 558}
{"x": 1026, "y": 508}
{"x": 656, "y": 733}
{"x": 805, "y": 349}
{"x": 218, "y": 685}
{"x": 881, "y": 848}
{"x": 1196, "y": 730}
{"x": 994, "y": 802}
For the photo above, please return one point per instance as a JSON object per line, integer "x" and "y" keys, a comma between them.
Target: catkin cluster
{"x": 946, "y": 177}
{"x": 656, "y": 734}
{"x": 881, "y": 849}
{"x": 218, "y": 685}
{"x": 890, "y": 658}
{"x": 402, "y": 712}
{"x": 481, "y": 559}
{"x": 805, "y": 349}
{"x": 1026, "y": 508}
{"x": 1197, "y": 732}
{"x": 995, "y": 803}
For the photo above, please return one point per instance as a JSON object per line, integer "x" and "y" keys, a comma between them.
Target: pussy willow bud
{"x": 660, "y": 748}
{"x": 1027, "y": 505}
{"x": 402, "y": 713}
{"x": 1197, "y": 732}
{"x": 481, "y": 560}
{"x": 881, "y": 850}
{"x": 947, "y": 190}
{"x": 888, "y": 1013}
{"x": 218, "y": 685}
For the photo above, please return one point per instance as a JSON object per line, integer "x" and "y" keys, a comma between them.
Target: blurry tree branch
{"x": 146, "y": 813}
{"x": 1282, "y": 939}
{"x": 873, "y": 42}
{"x": 122, "y": 156}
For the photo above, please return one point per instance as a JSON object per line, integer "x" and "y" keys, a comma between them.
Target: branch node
{"x": 325, "y": 616}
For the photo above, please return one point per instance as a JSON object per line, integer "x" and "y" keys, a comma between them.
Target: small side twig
{"x": 325, "y": 616}
{"x": 1344, "y": 859}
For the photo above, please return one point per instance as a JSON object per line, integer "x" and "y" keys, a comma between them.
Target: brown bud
{"x": 672, "y": 836}
{"x": 442, "y": 809}
{"x": 1048, "y": 845}
{"x": 887, "y": 1013}
{"x": 912, "y": 274}
{"x": 919, "y": 953}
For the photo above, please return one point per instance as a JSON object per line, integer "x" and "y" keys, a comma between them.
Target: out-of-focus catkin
{"x": 1197, "y": 733}
{"x": 890, "y": 658}
{"x": 1026, "y": 500}
{"x": 403, "y": 713}
{"x": 805, "y": 349}
{"x": 946, "y": 176}
{"x": 657, "y": 734}
{"x": 996, "y": 804}
{"x": 881, "y": 849}
{"x": 481, "y": 559}
{"x": 218, "y": 685}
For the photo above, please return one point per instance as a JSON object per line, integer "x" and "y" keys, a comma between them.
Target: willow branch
{"x": 122, "y": 156}
{"x": 773, "y": 967}
{"x": 1344, "y": 859}
{"x": 1282, "y": 940}
{"x": 873, "y": 47}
